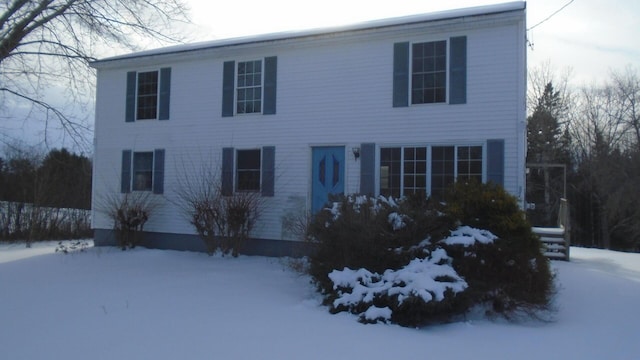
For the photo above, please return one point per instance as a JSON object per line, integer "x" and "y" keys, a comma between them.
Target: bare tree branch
{"x": 45, "y": 41}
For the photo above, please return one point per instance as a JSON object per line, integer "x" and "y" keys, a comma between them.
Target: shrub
{"x": 367, "y": 250}
{"x": 222, "y": 222}
{"x": 371, "y": 233}
{"x": 512, "y": 273}
{"x": 412, "y": 262}
{"x": 129, "y": 213}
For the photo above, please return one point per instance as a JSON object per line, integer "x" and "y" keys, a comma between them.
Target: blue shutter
{"x": 165, "y": 93}
{"x": 270, "y": 81}
{"x": 125, "y": 184}
{"x": 158, "y": 171}
{"x": 401, "y": 74}
{"x": 458, "y": 70}
{"x": 368, "y": 169}
{"x": 131, "y": 97}
{"x": 228, "y": 83}
{"x": 227, "y": 171}
{"x": 495, "y": 161}
{"x": 268, "y": 170}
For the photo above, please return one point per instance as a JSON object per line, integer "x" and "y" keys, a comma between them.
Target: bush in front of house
{"x": 415, "y": 261}
{"x": 511, "y": 274}
{"x": 129, "y": 213}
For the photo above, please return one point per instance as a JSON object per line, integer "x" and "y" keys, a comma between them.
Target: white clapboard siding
{"x": 332, "y": 89}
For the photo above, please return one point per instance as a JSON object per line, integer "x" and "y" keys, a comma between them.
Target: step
{"x": 555, "y": 231}
{"x": 556, "y": 247}
{"x": 555, "y": 255}
{"x": 552, "y": 240}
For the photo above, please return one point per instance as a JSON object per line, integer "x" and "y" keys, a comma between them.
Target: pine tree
{"x": 547, "y": 144}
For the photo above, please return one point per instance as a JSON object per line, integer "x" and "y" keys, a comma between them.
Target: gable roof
{"x": 367, "y": 25}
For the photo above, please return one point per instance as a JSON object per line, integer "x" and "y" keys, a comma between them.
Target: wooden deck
{"x": 557, "y": 240}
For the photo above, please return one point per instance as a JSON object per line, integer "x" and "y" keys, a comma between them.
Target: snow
{"x": 105, "y": 303}
{"x": 372, "y": 24}
{"x": 467, "y": 236}
{"x": 426, "y": 278}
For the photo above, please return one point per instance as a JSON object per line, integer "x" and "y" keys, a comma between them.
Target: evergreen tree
{"x": 65, "y": 180}
{"x": 548, "y": 144}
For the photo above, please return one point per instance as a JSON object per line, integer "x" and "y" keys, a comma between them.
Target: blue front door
{"x": 327, "y": 174}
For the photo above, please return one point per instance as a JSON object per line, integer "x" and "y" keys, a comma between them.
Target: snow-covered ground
{"x": 152, "y": 304}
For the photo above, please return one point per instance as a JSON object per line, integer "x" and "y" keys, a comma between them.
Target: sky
{"x": 588, "y": 37}
{"x": 584, "y": 38}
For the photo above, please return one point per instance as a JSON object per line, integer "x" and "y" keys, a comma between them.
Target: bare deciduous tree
{"x": 47, "y": 44}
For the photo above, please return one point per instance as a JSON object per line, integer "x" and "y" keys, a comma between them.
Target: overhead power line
{"x": 552, "y": 15}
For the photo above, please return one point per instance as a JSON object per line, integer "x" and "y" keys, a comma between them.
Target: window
{"x": 248, "y": 170}
{"x": 470, "y": 163}
{"x": 442, "y": 170}
{"x": 415, "y": 170}
{"x": 148, "y": 95}
{"x": 390, "y": 169}
{"x": 403, "y": 171}
{"x": 143, "y": 171}
{"x": 147, "y": 98}
{"x": 451, "y": 163}
{"x": 429, "y": 72}
{"x": 249, "y": 87}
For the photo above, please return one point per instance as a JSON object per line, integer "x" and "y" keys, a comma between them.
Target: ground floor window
{"x": 248, "y": 170}
{"x": 143, "y": 171}
{"x": 427, "y": 170}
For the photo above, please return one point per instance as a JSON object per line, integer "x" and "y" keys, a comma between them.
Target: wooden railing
{"x": 557, "y": 240}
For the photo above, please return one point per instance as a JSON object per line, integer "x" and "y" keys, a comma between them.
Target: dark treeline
{"x": 44, "y": 196}
{"x": 584, "y": 144}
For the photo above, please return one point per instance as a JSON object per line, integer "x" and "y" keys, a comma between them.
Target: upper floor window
{"x": 147, "y": 99}
{"x": 148, "y": 95}
{"x": 249, "y": 87}
{"x": 429, "y": 72}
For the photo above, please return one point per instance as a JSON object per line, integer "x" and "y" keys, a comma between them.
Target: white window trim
{"x": 448, "y": 66}
{"x": 235, "y": 169}
{"x": 157, "y": 71}
{"x": 235, "y": 89}
{"x": 133, "y": 168}
{"x": 429, "y": 172}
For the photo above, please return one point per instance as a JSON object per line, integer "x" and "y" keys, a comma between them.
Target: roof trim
{"x": 286, "y": 35}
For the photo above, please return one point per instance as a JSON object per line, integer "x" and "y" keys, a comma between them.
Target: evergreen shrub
{"x": 512, "y": 274}
{"x": 373, "y": 242}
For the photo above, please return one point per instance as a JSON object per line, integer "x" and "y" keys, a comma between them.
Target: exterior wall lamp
{"x": 356, "y": 153}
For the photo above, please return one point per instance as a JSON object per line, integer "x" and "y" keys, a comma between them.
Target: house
{"x": 388, "y": 107}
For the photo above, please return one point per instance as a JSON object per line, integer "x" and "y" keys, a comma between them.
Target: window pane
{"x": 470, "y": 163}
{"x": 147, "y": 95}
{"x": 442, "y": 170}
{"x": 429, "y": 66}
{"x": 390, "y": 171}
{"x": 142, "y": 171}
{"x": 249, "y": 87}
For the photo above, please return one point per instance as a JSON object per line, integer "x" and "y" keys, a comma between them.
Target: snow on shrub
{"x": 428, "y": 279}
{"x": 467, "y": 236}
{"x": 410, "y": 262}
